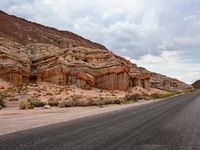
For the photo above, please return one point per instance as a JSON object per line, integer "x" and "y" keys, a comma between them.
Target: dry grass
{"x": 2, "y": 100}
{"x": 130, "y": 98}
{"x": 31, "y": 103}
{"x": 26, "y": 104}
{"x": 88, "y": 102}
{"x": 53, "y": 101}
{"x": 62, "y": 104}
{"x": 37, "y": 102}
{"x": 133, "y": 97}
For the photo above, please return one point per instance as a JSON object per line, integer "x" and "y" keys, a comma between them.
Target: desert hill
{"x": 32, "y": 53}
{"x": 196, "y": 84}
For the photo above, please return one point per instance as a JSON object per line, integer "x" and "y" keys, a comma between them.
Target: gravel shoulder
{"x": 14, "y": 119}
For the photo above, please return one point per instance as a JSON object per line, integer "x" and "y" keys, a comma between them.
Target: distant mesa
{"x": 31, "y": 53}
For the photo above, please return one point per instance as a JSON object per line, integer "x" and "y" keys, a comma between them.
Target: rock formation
{"x": 31, "y": 53}
{"x": 196, "y": 84}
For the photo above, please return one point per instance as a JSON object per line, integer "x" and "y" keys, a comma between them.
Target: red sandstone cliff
{"x": 30, "y": 52}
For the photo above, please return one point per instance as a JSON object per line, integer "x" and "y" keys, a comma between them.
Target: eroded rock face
{"x": 30, "y": 52}
{"x": 169, "y": 84}
{"x": 14, "y": 65}
{"x": 196, "y": 84}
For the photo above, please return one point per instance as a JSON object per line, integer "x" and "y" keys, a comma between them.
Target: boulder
{"x": 47, "y": 107}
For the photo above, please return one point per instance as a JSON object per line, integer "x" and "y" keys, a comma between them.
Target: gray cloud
{"x": 132, "y": 28}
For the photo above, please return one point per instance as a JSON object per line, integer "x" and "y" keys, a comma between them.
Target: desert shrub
{"x": 146, "y": 97}
{"x": 160, "y": 96}
{"x": 2, "y": 100}
{"x": 103, "y": 101}
{"x": 76, "y": 97}
{"x": 155, "y": 96}
{"x": 94, "y": 101}
{"x": 118, "y": 101}
{"x": 69, "y": 103}
{"x": 53, "y": 101}
{"x": 61, "y": 104}
{"x": 133, "y": 97}
{"x": 26, "y": 104}
{"x": 77, "y": 101}
{"x": 108, "y": 101}
{"x": 37, "y": 103}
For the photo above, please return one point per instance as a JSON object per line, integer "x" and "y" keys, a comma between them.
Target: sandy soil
{"x": 45, "y": 91}
{"x": 13, "y": 119}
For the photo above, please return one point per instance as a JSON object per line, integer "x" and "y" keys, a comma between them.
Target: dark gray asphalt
{"x": 170, "y": 124}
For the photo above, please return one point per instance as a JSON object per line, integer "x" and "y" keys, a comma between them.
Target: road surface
{"x": 170, "y": 124}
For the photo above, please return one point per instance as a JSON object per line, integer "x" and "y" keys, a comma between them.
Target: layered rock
{"x": 30, "y": 53}
{"x": 14, "y": 65}
{"x": 169, "y": 84}
{"x": 196, "y": 84}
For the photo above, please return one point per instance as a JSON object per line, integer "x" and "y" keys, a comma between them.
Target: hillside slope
{"x": 196, "y": 84}
{"x": 31, "y": 53}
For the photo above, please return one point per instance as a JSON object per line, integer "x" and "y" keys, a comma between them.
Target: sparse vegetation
{"x": 68, "y": 102}
{"x": 53, "y": 102}
{"x": 26, "y": 104}
{"x": 133, "y": 98}
{"x": 62, "y": 104}
{"x": 31, "y": 103}
{"x": 37, "y": 103}
{"x": 130, "y": 98}
{"x": 2, "y": 99}
{"x": 160, "y": 96}
{"x": 88, "y": 102}
{"x": 189, "y": 91}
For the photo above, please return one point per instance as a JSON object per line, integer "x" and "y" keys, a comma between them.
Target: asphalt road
{"x": 170, "y": 124}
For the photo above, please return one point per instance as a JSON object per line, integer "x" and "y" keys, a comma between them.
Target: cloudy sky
{"x": 161, "y": 35}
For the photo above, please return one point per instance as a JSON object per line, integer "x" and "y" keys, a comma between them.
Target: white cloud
{"x": 170, "y": 63}
{"x": 165, "y": 31}
{"x": 193, "y": 40}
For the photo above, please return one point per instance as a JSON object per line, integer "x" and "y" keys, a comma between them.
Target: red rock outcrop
{"x": 30, "y": 52}
{"x": 196, "y": 84}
